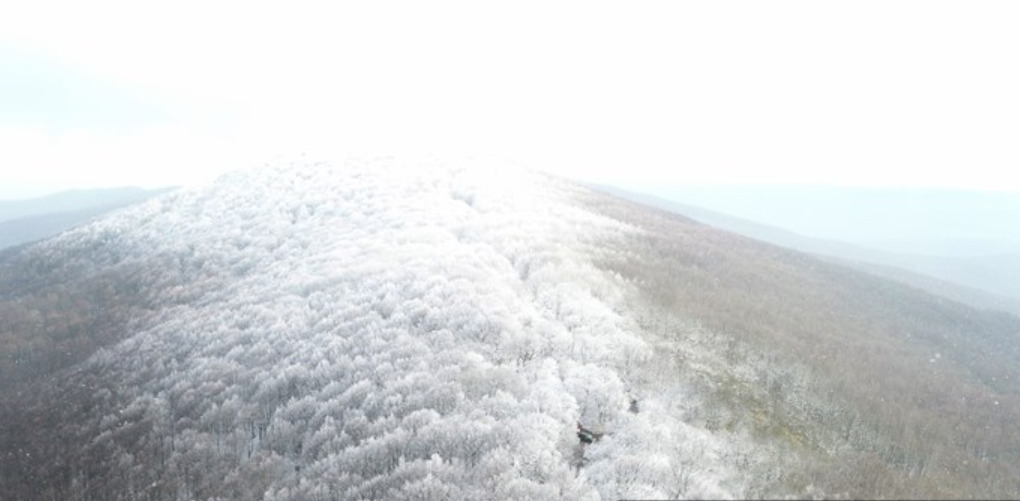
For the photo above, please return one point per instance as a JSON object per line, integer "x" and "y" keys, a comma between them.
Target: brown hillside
{"x": 922, "y": 394}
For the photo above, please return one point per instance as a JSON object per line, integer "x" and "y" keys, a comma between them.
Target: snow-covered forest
{"x": 328, "y": 331}
{"x": 368, "y": 332}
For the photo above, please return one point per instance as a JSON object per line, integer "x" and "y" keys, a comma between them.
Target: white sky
{"x": 637, "y": 93}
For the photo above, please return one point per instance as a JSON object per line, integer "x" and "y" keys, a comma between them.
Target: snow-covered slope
{"x": 404, "y": 330}
{"x": 370, "y": 332}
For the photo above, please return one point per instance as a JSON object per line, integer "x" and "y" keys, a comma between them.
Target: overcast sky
{"x": 864, "y": 93}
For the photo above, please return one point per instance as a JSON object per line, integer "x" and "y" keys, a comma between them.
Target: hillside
{"x": 365, "y": 331}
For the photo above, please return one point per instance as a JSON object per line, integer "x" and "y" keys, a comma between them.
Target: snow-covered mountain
{"x": 364, "y": 330}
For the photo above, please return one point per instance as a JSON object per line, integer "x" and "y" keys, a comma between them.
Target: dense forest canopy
{"x": 322, "y": 331}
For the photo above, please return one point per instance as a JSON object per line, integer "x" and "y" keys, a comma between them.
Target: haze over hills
{"x": 366, "y": 331}
{"x": 980, "y": 272}
{"x": 966, "y": 237}
{"x": 32, "y": 219}
{"x": 73, "y": 200}
{"x": 918, "y": 221}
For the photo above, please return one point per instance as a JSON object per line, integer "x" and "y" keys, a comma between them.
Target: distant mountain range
{"x": 392, "y": 330}
{"x": 983, "y": 273}
{"x": 914, "y": 221}
{"x": 23, "y": 221}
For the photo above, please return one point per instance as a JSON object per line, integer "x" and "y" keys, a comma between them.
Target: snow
{"x": 365, "y": 329}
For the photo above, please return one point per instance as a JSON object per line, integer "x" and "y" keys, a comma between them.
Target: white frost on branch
{"x": 365, "y": 330}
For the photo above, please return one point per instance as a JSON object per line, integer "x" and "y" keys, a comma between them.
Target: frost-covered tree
{"x": 365, "y": 331}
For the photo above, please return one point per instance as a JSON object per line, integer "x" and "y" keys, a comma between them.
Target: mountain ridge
{"x": 369, "y": 331}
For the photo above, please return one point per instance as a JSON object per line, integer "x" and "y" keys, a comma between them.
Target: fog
{"x": 116, "y": 93}
{"x": 958, "y": 238}
{"x": 909, "y": 220}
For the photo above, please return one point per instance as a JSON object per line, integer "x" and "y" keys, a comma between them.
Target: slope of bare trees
{"x": 896, "y": 393}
